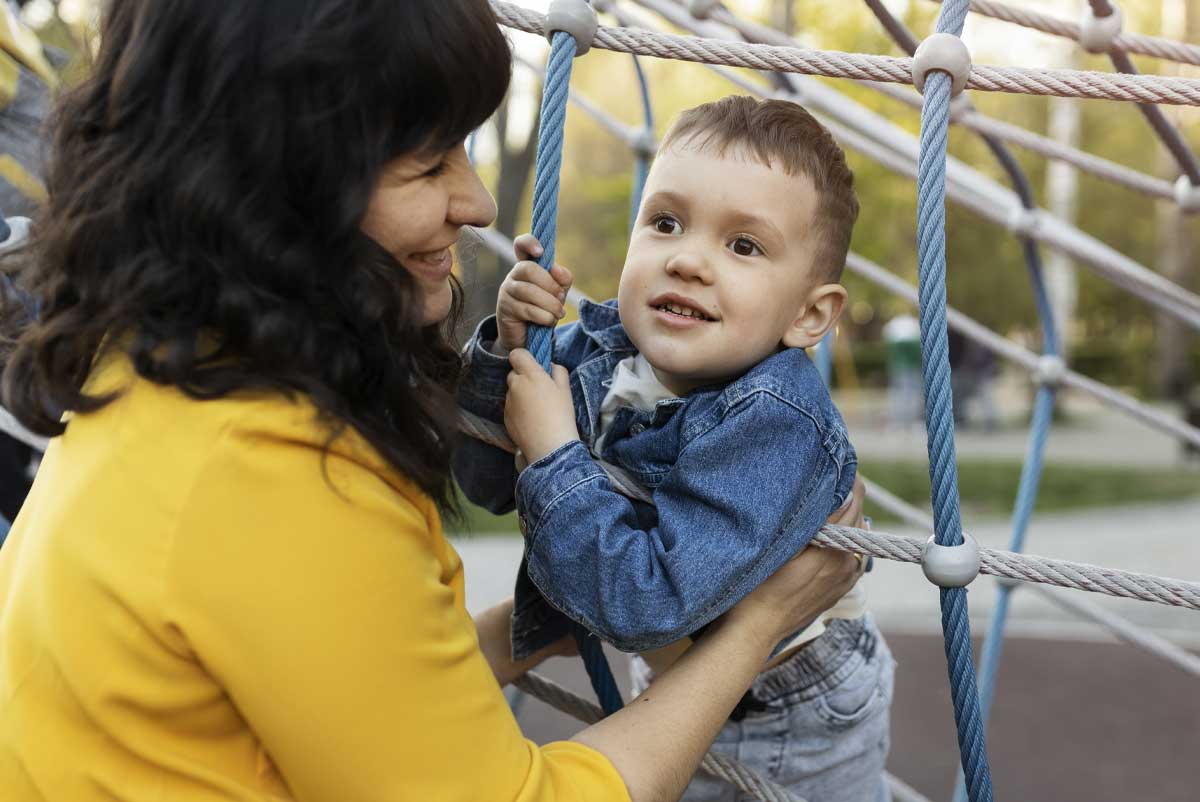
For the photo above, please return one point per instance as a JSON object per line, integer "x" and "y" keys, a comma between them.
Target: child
{"x": 696, "y": 381}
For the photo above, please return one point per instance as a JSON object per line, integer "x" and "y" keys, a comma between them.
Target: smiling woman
{"x": 208, "y": 190}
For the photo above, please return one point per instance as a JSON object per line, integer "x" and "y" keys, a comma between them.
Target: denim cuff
{"x": 545, "y": 482}
{"x": 535, "y": 622}
{"x": 483, "y": 385}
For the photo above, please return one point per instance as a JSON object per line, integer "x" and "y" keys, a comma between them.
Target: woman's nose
{"x": 689, "y": 266}
{"x": 470, "y": 202}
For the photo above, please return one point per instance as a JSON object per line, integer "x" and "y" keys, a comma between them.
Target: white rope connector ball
{"x": 575, "y": 17}
{"x": 1023, "y": 222}
{"x": 1187, "y": 194}
{"x": 1096, "y": 34}
{"x": 1050, "y": 370}
{"x": 643, "y": 143}
{"x": 951, "y": 566}
{"x": 702, "y": 9}
{"x": 945, "y": 52}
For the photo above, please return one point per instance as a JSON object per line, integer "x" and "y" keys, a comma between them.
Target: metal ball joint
{"x": 643, "y": 143}
{"x": 702, "y": 9}
{"x": 951, "y": 566}
{"x": 575, "y": 17}
{"x": 1023, "y": 222}
{"x": 945, "y": 52}
{"x": 1050, "y": 370}
{"x": 1187, "y": 194}
{"x": 1096, "y": 34}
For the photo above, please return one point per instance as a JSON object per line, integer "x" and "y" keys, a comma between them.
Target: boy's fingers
{"x": 532, "y": 273}
{"x": 522, "y": 361}
{"x": 562, "y": 276}
{"x": 526, "y": 246}
{"x": 561, "y": 377}
{"x": 522, "y": 294}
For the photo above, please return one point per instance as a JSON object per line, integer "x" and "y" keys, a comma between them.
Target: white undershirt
{"x": 635, "y": 385}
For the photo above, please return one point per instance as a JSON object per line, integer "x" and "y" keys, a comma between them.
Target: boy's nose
{"x": 689, "y": 266}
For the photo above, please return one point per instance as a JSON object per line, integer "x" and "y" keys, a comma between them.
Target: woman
{"x": 229, "y": 581}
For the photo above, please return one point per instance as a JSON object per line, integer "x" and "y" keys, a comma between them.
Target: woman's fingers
{"x": 852, "y": 514}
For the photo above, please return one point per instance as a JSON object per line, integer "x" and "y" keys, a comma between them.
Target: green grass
{"x": 987, "y": 489}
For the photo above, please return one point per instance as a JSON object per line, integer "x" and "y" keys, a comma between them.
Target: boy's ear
{"x": 821, "y": 310}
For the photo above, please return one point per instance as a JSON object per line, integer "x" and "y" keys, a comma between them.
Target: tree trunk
{"x": 783, "y": 16}
{"x": 1062, "y": 191}
{"x": 1176, "y": 247}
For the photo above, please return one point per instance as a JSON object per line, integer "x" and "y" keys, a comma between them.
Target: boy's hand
{"x": 538, "y": 412}
{"x": 528, "y": 295}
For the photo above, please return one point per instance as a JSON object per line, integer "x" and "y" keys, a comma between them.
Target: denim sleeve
{"x": 741, "y": 500}
{"x": 485, "y": 473}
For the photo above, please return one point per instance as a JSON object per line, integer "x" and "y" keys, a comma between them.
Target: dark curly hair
{"x": 207, "y": 184}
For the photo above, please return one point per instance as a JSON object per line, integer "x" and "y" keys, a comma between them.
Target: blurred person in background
{"x": 28, "y": 81}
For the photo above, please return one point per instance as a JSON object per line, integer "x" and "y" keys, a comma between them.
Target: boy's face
{"x": 719, "y": 269}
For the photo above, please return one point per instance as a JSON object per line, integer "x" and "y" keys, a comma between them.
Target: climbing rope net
{"x": 940, "y": 67}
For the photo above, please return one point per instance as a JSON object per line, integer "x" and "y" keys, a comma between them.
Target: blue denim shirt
{"x": 743, "y": 475}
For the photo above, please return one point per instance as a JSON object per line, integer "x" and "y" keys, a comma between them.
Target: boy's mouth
{"x": 680, "y": 306}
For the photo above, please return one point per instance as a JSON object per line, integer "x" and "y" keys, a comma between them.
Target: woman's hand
{"x": 528, "y": 295}
{"x": 495, "y": 641}
{"x": 852, "y": 515}
{"x": 792, "y": 597}
{"x": 538, "y": 412}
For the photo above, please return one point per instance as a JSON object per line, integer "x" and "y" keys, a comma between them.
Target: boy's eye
{"x": 744, "y": 246}
{"x": 665, "y": 224}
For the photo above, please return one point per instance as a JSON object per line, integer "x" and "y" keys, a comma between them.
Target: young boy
{"x": 696, "y": 381}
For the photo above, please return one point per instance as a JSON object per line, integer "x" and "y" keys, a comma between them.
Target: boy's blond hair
{"x": 783, "y": 135}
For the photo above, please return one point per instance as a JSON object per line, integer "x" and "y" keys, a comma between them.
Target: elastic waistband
{"x": 821, "y": 664}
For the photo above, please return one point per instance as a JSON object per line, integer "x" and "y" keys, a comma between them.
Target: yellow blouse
{"x": 196, "y": 606}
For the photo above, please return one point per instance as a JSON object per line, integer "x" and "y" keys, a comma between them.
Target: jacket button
{"x": 523, "y": 525}
{"x": 637, "y": 428}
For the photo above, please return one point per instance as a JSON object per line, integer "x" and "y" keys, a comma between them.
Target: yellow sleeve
{"x": 328, "y": 612}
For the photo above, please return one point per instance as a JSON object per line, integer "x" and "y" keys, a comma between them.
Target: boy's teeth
{"x": 681, "y": 310}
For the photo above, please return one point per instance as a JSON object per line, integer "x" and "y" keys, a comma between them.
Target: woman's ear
{"x": 821, "y": 310}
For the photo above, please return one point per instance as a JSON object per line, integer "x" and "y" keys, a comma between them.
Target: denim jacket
{"x": 743, "y": 475}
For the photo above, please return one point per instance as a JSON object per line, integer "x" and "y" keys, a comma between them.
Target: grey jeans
{"x": 816, "y": 724}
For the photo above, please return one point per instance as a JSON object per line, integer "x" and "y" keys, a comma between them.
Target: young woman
{"x": 230, "y": 581}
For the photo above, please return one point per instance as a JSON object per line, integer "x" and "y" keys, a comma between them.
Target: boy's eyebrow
{"x": 668, "y": 197}
{"x": 745, "y": 219}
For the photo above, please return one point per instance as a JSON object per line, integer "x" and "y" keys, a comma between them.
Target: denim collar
{"x": 602, "y": 323}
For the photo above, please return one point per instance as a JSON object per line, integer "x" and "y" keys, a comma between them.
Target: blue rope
{"x": 1027, "y": 489}
{"x": 546, "y": 169}
{"x": 547, "y": 166}
{"x": 939, "y": 417}
{"x": 824, "y": 355}
{"x": 641, "y": 165}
